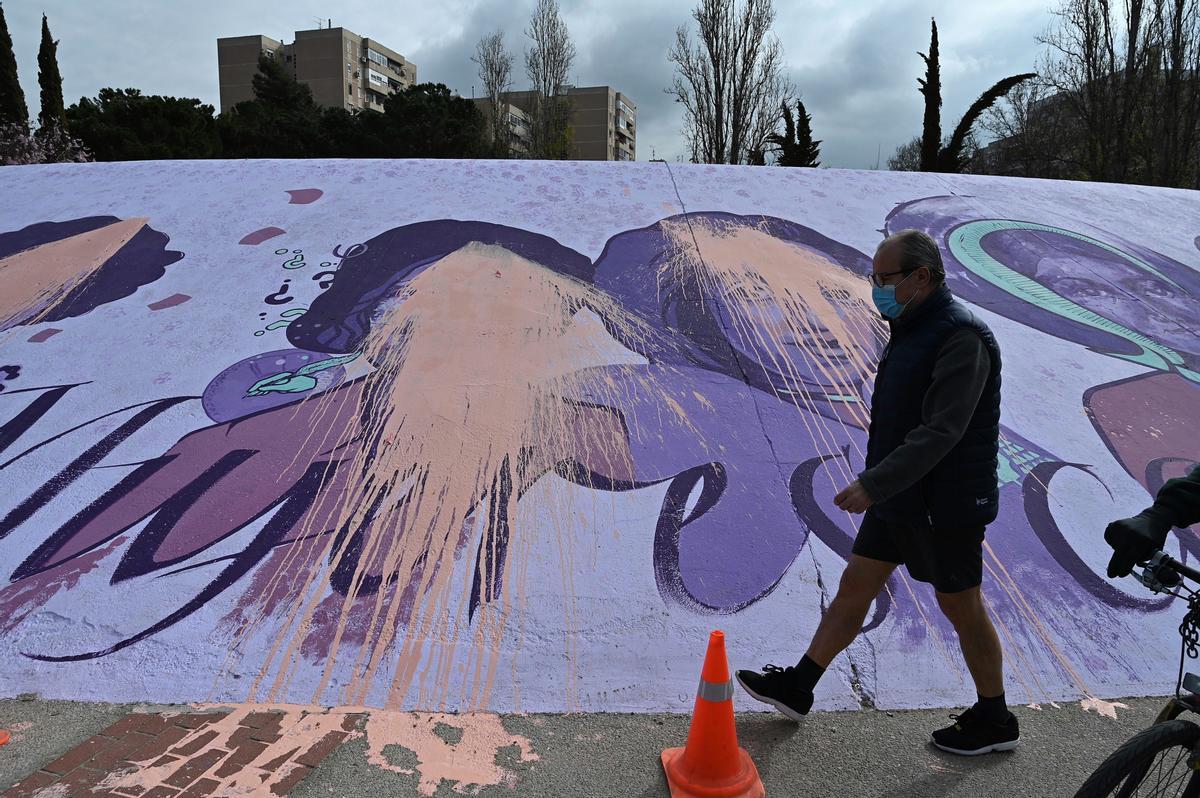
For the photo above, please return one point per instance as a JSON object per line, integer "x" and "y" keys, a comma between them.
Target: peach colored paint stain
{"x": 447, "y": 434}
{"x": 301, "y": 729}
{"x": 16, "y": 731}
{"x": 809, "y": 322}
{"x": 1101, "y": 707}
{"x": 35, "y": 280}
{"x": 468, "y": 765}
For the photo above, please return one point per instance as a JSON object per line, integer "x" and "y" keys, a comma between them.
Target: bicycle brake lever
{"x": 1148, "y": 579}
{"x": 1156, "y": 575}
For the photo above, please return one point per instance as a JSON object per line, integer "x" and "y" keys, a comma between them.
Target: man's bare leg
{"x": 861, "y": 582}
{"x": 977, "y": 638}
{"x": 790, "y": 689}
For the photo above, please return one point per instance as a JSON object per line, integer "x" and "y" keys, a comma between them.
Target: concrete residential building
{"x": 517, "y": 121}
{"x": 342, "y": 68}
{"x": 604, "y": 120}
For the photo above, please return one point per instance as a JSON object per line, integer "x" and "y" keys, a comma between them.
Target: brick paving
{"x": 192, "y": 755}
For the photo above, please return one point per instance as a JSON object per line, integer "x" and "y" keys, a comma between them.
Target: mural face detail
{"x": 448, "y": 465}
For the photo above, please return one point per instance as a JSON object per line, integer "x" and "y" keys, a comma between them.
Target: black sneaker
{"x": 777, "y": 686}
{"x": 971, "y": 735}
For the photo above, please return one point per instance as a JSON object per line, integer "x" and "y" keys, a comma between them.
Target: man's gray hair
{"x": 916, "y": 249}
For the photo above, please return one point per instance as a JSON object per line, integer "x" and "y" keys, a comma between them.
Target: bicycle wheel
{"x": 1152, "y": 763}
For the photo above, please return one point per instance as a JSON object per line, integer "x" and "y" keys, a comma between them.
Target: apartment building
{"x": 339, "y": 66}
{"x": 517, "y": 121}
{"x": 604, "y": 121}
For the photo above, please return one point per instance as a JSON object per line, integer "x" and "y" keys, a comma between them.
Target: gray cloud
{"x": 854, "y": 63}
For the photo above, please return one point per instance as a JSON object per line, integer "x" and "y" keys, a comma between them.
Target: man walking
{"x": 928, "y": 490}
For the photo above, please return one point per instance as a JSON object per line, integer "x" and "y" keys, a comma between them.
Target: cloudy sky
{"x": 854, "y": 62}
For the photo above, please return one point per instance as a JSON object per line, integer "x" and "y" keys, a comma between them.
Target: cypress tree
{"x": 13, "y": 110}
{"x": 810, "y": 151}
{"x": 931, "y": 87}
{"x": 52, "y": 113}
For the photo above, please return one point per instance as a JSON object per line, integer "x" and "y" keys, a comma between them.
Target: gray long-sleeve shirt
{"x": 959, "y": 376}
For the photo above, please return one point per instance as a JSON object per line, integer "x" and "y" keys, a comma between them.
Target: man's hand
{"x": 1133, "y": 541}
{"x": 854, "y": 499}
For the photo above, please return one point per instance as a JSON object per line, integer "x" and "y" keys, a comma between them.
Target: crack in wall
{"x": 854, "y": 678}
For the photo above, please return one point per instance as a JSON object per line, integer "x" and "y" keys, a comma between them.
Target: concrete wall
{"x": 521, "y": 444}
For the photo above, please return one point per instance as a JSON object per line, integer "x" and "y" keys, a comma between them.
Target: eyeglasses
{"x": 878, "y": 278}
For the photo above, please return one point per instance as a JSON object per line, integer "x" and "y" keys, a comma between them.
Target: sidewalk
{"x": 64, "y": 749}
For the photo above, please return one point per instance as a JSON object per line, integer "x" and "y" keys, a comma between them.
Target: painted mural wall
{"x": 515, "y": 436}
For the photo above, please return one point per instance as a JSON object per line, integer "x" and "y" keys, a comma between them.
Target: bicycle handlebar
{"x": 1162, "y": 572}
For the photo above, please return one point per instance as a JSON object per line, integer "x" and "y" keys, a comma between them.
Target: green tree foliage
{"x": 429, "y": 121}
{"x": 52, "y": 112}
{"x": 282, "y": 121}
{"x": 952, "y": 157}
{"x": 125, "y": 125}
{"x": 796, "y": 146}
{"x": 13, "y": 110}
{"x": 936, "y": 157}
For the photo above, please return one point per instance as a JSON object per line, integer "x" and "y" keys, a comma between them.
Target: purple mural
{"x": 407, "y": 463}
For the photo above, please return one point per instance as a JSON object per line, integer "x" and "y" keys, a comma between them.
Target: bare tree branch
{"x": 548, "y": 63}
{"x": 729, "y": 80}
{"x": 495, "y": 72}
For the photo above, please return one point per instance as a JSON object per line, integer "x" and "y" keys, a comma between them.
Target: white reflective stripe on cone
{"x": 715, "y": 691}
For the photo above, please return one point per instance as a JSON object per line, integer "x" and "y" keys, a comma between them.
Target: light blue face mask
{"x": 884, "y": 297}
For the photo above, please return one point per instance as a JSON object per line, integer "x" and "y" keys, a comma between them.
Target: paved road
{"x": 866, "y": 753}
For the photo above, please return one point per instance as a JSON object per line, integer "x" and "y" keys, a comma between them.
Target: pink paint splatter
{"x": 169, "y": 302}
{"x": 303, "y": 196}
{"x": 467, "y": 765}
{"x": 259, "y": 236}
{"x": 43, "y": 335}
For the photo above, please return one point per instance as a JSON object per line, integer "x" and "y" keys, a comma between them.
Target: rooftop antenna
{"x": 320, "y": 22}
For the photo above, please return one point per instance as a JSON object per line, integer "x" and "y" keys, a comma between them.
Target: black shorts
{"x": 950, "y": 560}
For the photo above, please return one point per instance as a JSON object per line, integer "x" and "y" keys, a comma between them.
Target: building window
{"x": 378, "y": 58}
{"x": 376, "y": 78}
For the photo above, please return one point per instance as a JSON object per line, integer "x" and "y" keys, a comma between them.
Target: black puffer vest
{"x": 962, "y": 490}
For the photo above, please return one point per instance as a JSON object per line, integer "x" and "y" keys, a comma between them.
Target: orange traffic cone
{"x": 712, "y": 765}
